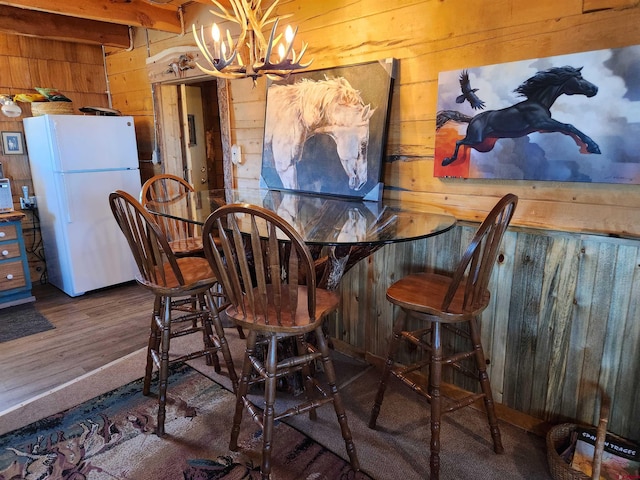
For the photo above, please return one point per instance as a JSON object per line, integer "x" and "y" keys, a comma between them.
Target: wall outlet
{"x": 28, "y": 203}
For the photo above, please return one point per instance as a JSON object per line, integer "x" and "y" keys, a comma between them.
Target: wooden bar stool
{"x": 169, "y": 193}
{"x": 268, "y": 276}
{"x": 170, "y": 278}
{"x": 448, "y": 302}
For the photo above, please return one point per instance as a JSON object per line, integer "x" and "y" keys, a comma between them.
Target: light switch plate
{"x": 236, "y": 154}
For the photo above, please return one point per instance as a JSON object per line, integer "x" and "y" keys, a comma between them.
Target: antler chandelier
{"x": 226, "y": 58}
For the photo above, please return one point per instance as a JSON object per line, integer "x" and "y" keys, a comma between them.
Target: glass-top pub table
{"x": 339, "y": 231}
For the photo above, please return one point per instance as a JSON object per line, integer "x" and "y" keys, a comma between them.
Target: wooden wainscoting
{"x": 564, "y": 319}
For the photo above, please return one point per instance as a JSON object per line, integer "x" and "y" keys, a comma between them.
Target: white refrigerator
{"x": 76, "y": 161}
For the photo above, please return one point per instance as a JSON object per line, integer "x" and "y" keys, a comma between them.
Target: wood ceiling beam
{"x": 17, "y": 21}
{"x": 138, "y": 13}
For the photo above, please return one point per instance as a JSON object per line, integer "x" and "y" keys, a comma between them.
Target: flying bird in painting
{"x": 469, "y": 93}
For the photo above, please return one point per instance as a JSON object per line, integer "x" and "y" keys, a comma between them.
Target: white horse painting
{"x": 332, "y": 107}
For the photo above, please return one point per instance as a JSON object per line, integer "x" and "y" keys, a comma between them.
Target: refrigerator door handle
{"x": 67, "y": 203}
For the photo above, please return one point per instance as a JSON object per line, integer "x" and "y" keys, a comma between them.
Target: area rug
{"x": 111, "y": 437}
{"x": 20, "y": 321}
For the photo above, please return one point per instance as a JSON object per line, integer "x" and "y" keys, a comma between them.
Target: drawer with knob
{"x": 15, "y": 281}
{"x": 10, "y": 250}
{"x": 12, "y": 275}
{"x": 8, "y": 232}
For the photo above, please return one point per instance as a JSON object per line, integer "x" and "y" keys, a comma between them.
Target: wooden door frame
{"x": 168, "y": 121}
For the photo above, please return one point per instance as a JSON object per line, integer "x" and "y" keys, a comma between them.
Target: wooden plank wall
{"x": 565, "y": 313}
{"x": 25, "y": 63}
{"x": 428, "y": 37}
{"x": 564, "y": 318}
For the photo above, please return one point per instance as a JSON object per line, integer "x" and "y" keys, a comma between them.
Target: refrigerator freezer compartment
{"x": 85, "y": 143}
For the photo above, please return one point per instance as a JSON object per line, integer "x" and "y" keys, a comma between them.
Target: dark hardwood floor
{"x": 91, "y": 331}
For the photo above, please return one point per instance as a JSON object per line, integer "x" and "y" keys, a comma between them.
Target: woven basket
{"x": 558, "y": 437}
{"x": 51, "y": 108}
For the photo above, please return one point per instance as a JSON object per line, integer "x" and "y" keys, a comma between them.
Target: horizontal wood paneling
{"x": 26, "y": 62}
{"x": 594, "y": 5}
{"x": 428, "y": 37}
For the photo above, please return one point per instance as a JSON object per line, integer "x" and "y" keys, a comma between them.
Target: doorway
{"x": 189, "y": 132}
{"x": 202, "y": 144}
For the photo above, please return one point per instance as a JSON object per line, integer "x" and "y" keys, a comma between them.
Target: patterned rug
{"x": 111, "y": 437}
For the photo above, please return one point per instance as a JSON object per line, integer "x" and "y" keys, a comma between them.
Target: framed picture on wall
{"x": 12, "y": 143}
{"x": 326, "y": 130}
{"x": 569, "y": 118}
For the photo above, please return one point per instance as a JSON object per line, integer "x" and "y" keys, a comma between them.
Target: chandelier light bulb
{"x": 215, "y": 32}
{"x": 288, "y": 35}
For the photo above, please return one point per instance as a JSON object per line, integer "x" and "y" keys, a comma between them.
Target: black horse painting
{"x": 528, "y": 116}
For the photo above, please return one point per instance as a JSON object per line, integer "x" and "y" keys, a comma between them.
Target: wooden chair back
{"x": 474, "y": 270}
{"x": 264, "y": 266}
{"x": 157, "y": 265}
{"x": 169, "y": 193}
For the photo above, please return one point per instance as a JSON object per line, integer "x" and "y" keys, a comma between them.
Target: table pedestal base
{"x": 331, "y": 267}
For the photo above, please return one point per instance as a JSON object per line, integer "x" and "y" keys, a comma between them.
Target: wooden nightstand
{"x": 15, "y": 280}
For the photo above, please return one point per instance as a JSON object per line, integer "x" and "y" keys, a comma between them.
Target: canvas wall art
{"x": 571, "y": 118}
{"x": 325, "y": 130}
